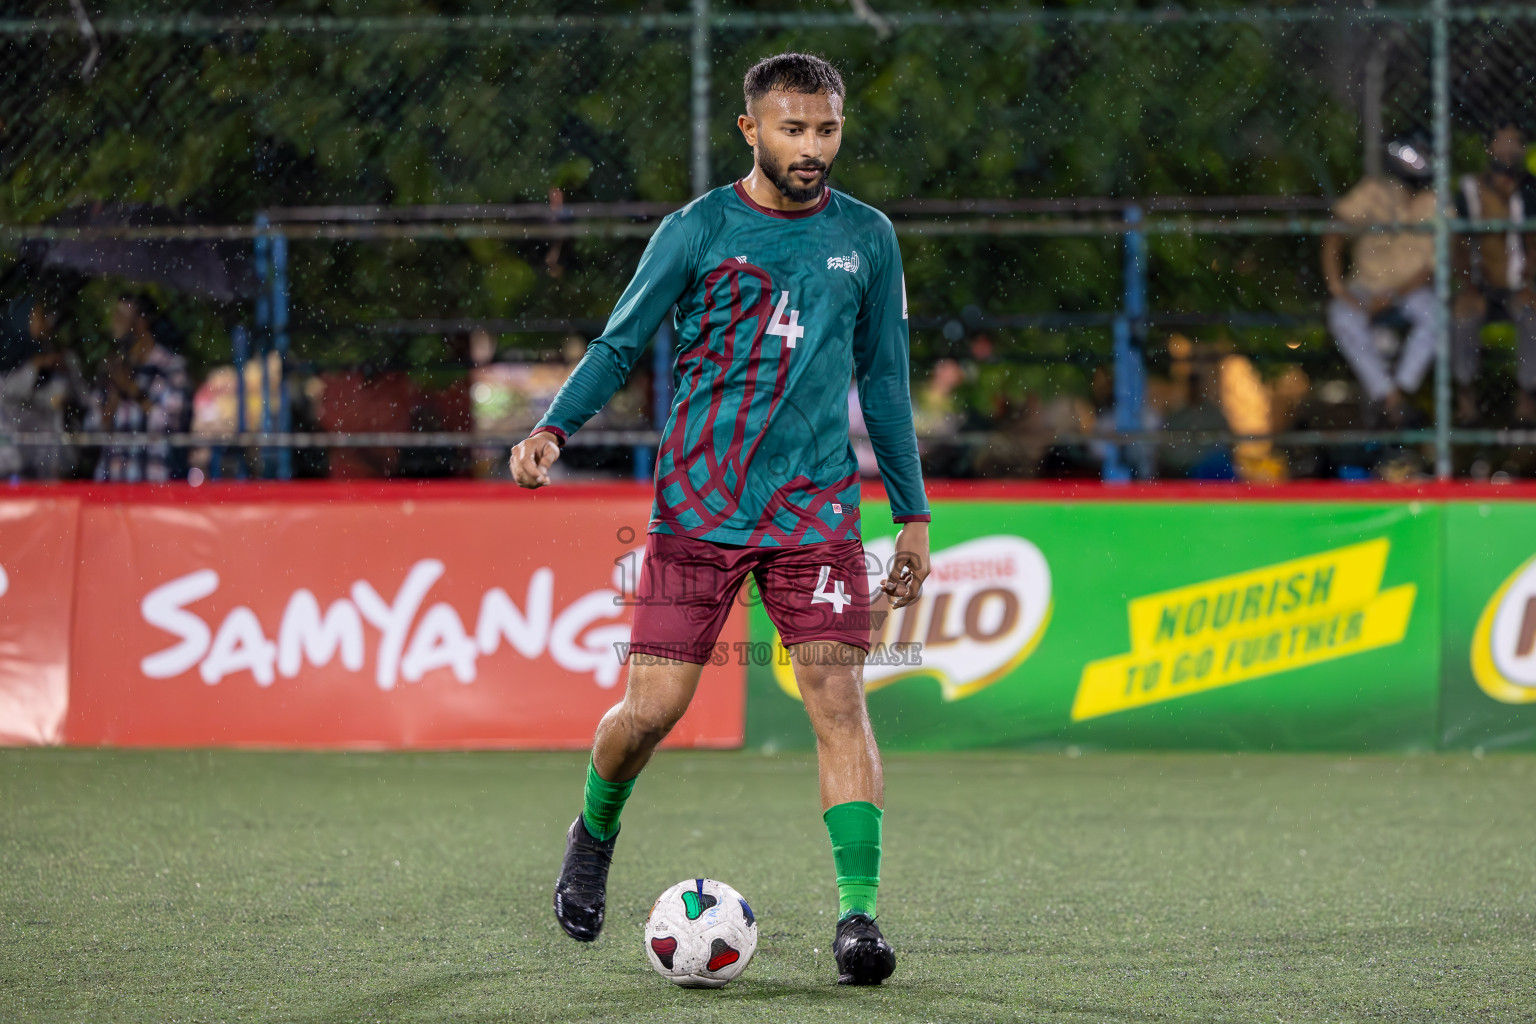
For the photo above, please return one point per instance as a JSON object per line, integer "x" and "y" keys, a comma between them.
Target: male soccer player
{"x": 784, "y": 290}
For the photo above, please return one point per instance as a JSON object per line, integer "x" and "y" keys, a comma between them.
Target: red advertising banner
{"x": 449, "y": 614}
{"x": 37, "y": 574}
{"x": 414, "y": 622}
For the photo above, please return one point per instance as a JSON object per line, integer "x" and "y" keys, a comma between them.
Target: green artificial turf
{"x": 212, "y": 886}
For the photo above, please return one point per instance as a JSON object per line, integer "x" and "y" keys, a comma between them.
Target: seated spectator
{"x": 41, "y": 389}
{"x": 1053, "y": 437}
{"x": 1389, "y": 283}
{"x": 1248, "y": 403}
{"x": 1137, "y": 457}
{"x": 366, "y": 401}
{"x": 216, "y": 412}
{"x": 444, "y": 405}
{"x": 1199, "y": 412}
{"x": 937, "y": 415}
{"x": 1495, "y": 273}
{"x": 143, "y": 389}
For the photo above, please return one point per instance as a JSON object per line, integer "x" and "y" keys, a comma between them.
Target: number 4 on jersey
{"x": 790, "y": 329}
{"x": 837, "y": 597}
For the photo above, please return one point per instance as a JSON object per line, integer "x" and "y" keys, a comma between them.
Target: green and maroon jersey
{"x": 777, "y": 313}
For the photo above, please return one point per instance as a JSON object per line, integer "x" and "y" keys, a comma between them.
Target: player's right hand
{"x": 532, "y": 458}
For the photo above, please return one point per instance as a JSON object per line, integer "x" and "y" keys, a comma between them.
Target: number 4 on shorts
{"x": 837, "y": 597}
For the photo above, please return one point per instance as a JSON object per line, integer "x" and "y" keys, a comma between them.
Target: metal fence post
{"x": 699, "y": 63}
{"x": 1121, "y": 463}
{"x": 263, "y": 246}
{"x": 240, "y": 347}
{"x": 1440, "y": 74}
{"x": 280, "y": 346}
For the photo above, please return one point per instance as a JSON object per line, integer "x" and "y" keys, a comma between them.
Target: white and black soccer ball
{"x": 701, "y": 934}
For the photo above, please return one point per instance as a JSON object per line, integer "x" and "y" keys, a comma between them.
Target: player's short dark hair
{"x": 791, "y": 72}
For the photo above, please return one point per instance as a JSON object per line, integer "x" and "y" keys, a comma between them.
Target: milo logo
{"x": 985, "y": 606}
{"x": 1504, "y": 643}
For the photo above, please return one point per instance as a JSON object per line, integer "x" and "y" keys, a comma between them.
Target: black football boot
{"x": 863, "y": 956}
{"x": 581, "y": 891}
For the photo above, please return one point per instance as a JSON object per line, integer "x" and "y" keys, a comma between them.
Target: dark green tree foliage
{"x": 222, "y": 122}
{"x": 1083, "y": 109}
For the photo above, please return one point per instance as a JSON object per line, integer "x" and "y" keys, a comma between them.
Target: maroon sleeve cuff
{"x": 560, "y": 437}
{"x": 916, "y": 517}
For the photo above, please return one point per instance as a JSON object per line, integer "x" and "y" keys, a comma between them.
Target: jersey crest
{"x": 848, "y": 263}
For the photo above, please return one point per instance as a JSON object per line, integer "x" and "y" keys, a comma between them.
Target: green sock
{"x": 855, "y": 831}
{"x": 604, "y": 801}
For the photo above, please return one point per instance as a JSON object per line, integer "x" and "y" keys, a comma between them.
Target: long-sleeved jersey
{"x": 776, "y": 312}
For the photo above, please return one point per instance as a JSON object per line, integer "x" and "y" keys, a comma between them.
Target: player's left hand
{"x": 909, "y": 568}
{"x": 532, "y": 458}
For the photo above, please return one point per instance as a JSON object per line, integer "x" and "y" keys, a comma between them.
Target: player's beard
{"x": 785, "y": 184}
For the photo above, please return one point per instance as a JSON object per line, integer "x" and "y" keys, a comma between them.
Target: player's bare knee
{"x": 839, "y": 721}
{"x": 831, "y": 685}
{"x": 650, "y": 721}
{"x": 834, "y": 701}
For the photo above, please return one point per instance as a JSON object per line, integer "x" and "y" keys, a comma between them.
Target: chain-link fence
{"x": 1134, "y": 241}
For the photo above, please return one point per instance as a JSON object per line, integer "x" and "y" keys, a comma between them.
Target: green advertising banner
{"x": 1255, "y": 625}
{"x": 1488, "y": 686}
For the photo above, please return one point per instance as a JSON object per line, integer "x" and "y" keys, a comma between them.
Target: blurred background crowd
{"x": 84, "y": 354}
{"x": 1137, "y": 246}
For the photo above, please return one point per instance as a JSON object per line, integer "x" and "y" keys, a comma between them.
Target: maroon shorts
{"x": 810, "y": 591}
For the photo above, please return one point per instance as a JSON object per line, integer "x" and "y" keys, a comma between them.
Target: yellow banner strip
{"x": 1166, "y": 671}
